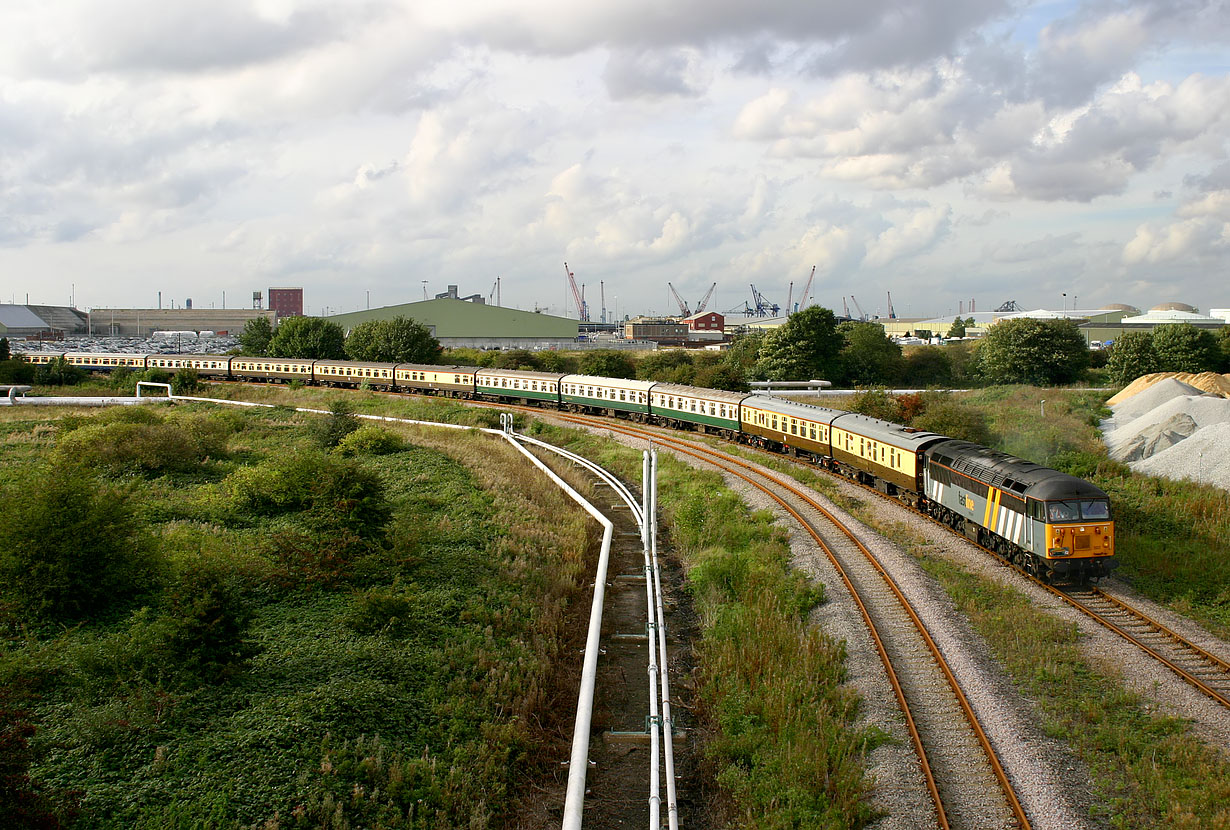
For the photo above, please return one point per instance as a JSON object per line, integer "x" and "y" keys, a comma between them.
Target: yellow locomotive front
{"x": 1079, "y": 529}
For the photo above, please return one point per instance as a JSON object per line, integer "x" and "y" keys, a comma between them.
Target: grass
{"x": 408, "y": 691}
{"x": 782, "y": 739}
{"x": 1147, "y": 770}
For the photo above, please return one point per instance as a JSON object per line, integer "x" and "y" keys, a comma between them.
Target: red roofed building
{"x": 705, "y": 321}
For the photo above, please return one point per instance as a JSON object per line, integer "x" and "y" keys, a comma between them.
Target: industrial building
{"x": 458, "y": 323}
{"x": 143, "y": 322}
{"x": 41, "y": 322}
{"x": 287, "y": 302}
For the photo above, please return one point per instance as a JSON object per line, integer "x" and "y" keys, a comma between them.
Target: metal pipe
{"x": 651, "y": 628}
{"x": 668, "y": 724}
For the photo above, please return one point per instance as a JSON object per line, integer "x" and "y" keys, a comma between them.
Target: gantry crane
{"x": 577, "y": 296}
{"x": 862, "y": 315}
{"x": 763, "y": 307}
{"x": 806, "y": 290}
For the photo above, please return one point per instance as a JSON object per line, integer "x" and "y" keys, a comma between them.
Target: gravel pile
{"x": 1174, "y": 430}
{"x": 1205, "y": 456}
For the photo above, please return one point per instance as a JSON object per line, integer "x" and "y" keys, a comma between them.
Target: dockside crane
{"x": 683, "y": 307}
{"x": 763, "y": 307}
{"x": 862, "y": 315}
{"x": 804, "y": 297}
{"x": 704, "y": 301}
{"x": 577, "y": 296}
{"x": 892, "y": 314}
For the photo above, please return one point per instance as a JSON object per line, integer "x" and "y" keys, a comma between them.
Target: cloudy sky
{"x": 943, "y": 150}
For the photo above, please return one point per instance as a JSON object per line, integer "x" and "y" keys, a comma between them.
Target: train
{"x": 1053, "y": 525}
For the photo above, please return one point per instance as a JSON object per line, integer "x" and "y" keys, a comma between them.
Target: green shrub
{"x": 70, "y": 548}
{"x": 370, "y": 439}
{"x": 186, "y": 380}
{"x": 58, "y": 372}
{"x": 16, "y": 372}
{"x": 336, "y": 493}
{"x": 329, "y": 431}
{"x": 125, "y": 447}
{"x": 877, "y": 403}
{"x": 956, "y": 420}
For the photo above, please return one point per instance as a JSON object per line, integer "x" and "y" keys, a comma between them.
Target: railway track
{"x": 1200, "y": 669}
{"x": 959, "y": 765}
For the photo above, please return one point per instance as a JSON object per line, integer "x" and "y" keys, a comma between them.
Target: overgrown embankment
{"x": 239, "y": 618}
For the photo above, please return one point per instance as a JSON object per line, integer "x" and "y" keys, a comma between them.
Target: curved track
{"x": 925, "y": 686}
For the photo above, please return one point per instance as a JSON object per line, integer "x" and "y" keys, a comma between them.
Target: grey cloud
{"x": 650, "y": 74}
{"x": 1036, "y": 249}
{"x": 182, "y": 36}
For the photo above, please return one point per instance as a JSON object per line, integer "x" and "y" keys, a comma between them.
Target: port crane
{"x": 704, "y": 301}
{"x": 862, "y": 315}
{"x": 763, "y": 307}
{"x": 578, "y": 295}
{"x": 683, "y": 307}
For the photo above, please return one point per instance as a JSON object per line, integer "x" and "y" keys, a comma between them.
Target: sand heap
{"x": 1210, "y": 382}
{"x": 1175, "y": 425}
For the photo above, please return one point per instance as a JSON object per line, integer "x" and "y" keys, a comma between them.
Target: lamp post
{"x": 1064, "y": 306}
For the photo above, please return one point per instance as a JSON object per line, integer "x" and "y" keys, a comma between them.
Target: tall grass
{"x": 407, "y": 690}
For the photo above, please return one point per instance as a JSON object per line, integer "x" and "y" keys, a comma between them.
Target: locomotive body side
{"x": 1046, "y": 521}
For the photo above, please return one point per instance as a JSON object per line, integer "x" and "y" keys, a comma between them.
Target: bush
{"x": 329, "y": 431}
{"x": 370, "y": 439}
{"x": 70, "y": 547}
{"x": 131, "y": 446}
{"x": 186, "y": 380}
{"x": 23, "y": 802}
{"x": 956, "y": 420}
{"x": 877, "y": 403}
{"x": 335, "y": 493}
{"x": 16, "y": 372}
{"x": 58, "y": 372}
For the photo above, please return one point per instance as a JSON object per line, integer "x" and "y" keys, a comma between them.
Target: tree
{"x": 957, "y": 329}
{"x": 607, "y": 363}
{"x": 5, "y": 354}
{"x": 400, "y": 340}
{"x": 869, "y": 357}
{"x": 255, "y": 337}
{"x": 954, "y": 419}
{"x": 808, "y": 347}
{"x": 928, "y": 366}
{"x": 1130, "y": 357}
{"x": 58, "y": 372}
{"x": 1223, "y": 341}
{"x": 667, "y": 366}
{"x": 312, "y": 338}
{"x": 1181, "y": 347}
{"x": 1041, "y": 352}
{"x": 70, "y": 548}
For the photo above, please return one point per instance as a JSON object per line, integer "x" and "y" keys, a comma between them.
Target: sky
{"x": 372, "y": 151}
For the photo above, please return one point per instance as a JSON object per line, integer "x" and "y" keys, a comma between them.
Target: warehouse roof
{"x": 459, "y": 318}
